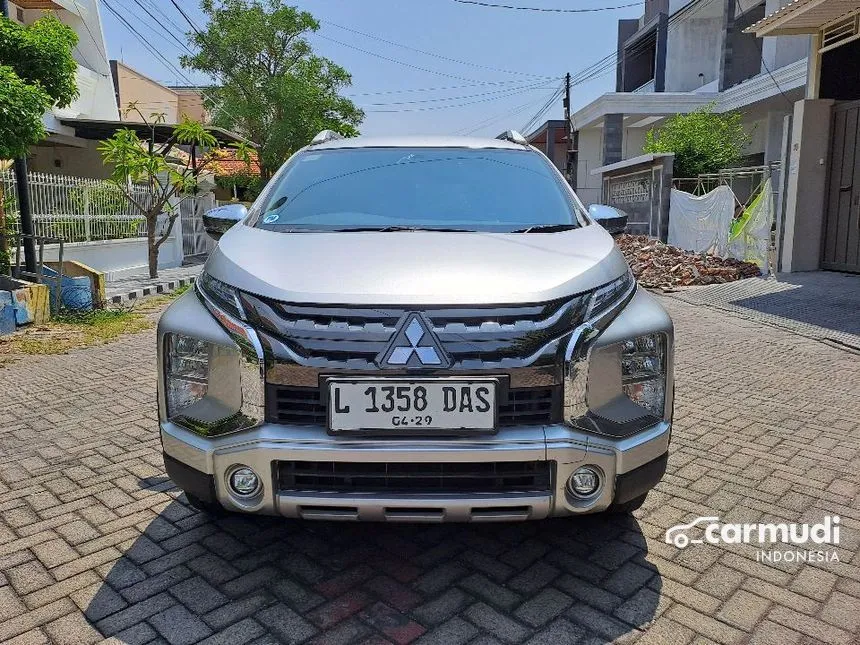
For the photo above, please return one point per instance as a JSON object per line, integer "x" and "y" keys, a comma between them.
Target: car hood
{"x": 415, "y": 267}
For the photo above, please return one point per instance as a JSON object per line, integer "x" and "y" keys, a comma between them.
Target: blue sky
{"x": 534, "y": 49}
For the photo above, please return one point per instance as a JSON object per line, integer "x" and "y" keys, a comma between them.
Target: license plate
{"x": 414, "y": 404}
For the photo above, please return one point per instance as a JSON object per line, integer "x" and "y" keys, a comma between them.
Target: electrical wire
{"x": 181, "y": 42}
{"x": 248, "y": 93}
{"x": 394, "y": 60}
{"x": 433, "y": 54}
{"x": 543, "y": 110}
{"x": 546, "y": 10}
{"x": 435, "y": 89}
{"x": 462, "y": 97}
{"x": 170, "y": 66}
{"x": 457, "y": 105}
{"x": 508, "y": 113}
{"x": 140, "y": 22}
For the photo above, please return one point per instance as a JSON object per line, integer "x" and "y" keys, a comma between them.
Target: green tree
{"x": 155, "y": 181}
{"x": 703, "y": 140}
{"x": 37, "y": 71}
{"x": 275, "y": 91}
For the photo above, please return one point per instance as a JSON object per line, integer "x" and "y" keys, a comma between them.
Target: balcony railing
{"x": 645, "y": 88}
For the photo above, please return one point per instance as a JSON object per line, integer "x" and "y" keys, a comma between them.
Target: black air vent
{"x": 397, "y": 477}
{"x": 523, "y": 406}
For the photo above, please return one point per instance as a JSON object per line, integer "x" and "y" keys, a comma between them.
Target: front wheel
{"x": 629, "y": 506}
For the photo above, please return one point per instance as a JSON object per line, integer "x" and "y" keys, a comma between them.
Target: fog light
{"x": 584, "y": 482}
{"x": 244, "y": 482}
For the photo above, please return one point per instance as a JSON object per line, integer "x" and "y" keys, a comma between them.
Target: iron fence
{"x": 75, "y": 209}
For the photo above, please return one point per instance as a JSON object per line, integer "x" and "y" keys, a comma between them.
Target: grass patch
{"x": 155, "y": 302}
{"x": 74, "y": 329}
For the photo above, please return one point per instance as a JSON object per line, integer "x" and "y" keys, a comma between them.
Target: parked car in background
{"x": 415, "y": 329}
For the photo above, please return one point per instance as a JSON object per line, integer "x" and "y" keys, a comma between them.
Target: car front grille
{"x": 305, "y": 405}
{"x": 352, "y": 338}
{"x": 398, "y": 477}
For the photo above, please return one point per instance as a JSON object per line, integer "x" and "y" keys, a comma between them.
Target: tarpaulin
{"x": 701, "y": 224}
{"x": 749, "y": 236}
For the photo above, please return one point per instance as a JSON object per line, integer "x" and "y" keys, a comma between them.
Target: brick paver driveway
{"x": 95, "y": 543}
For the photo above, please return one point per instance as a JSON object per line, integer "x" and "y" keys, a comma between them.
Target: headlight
{"x": 607, "y": 295}
{"x": 643, "y": 372}
{"x": 222, "y": 295}
{"x": 203, "y": 385}
{"x": 618, "y": 389}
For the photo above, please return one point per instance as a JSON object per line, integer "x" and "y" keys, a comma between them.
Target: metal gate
{"x": 195, "y": 241}
{"x": 841, "y": 243}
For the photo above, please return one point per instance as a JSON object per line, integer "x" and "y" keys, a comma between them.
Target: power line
{"x": 242, "y": 86}
{"x": 546, "y": 10}
{"x": 543, "y": 110}
{"x": 461, "y": 97}
{"x": 144, "y": 23}
{"x": 154, "y": 51}
{"x": 433, "y": 54}
{"x": 435, "y": 89}
{"x": 181, "y": 42}
{"x": 457, "y": 105}
{"x": 508, "y": 113}
{"x": 394, "y": 60}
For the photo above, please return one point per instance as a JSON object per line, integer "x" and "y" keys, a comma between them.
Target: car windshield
{"x": 395, "y": 189}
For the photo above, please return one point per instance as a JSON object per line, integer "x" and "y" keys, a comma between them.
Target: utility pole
{"x": 571, "y": 136}
{"x": 24, "y": 210}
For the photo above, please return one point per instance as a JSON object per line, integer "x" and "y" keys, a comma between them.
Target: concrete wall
{"x": 116, "y": 258}
{"x": 779, "y": 51}
{"x": 693, "y": 48}
{"x": 151, "y": 96}
{"x": 190, "y": 105}
{"x": 588, "y": 186}
{"x": 641, "y": 189}
{"x": 83, "y": 161}
{"x": 634, "y": 139}
{"x": 807, "y": 183}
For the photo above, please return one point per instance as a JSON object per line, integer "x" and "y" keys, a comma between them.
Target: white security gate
{"x": 195, "y": 241}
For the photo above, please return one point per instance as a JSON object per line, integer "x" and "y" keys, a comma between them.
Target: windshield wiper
{"x": 547, "y": 228}
{"x": 392, "y": 229}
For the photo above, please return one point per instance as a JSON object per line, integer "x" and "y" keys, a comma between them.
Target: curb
{"x": 154, "y": 290}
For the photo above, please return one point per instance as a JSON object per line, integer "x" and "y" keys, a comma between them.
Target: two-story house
{"x": 681, "y": 55}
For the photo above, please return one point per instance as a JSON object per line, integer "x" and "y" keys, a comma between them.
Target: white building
{"x": 681, "y": 55}
{"x": 63, "y": 152}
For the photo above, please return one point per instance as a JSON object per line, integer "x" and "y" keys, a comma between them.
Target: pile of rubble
{"x": 661, "y": 266}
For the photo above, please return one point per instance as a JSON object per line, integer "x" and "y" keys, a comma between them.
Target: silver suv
{"x": 415, "y": 329}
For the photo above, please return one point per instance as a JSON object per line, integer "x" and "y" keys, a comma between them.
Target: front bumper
{"x": 630, "y": 466}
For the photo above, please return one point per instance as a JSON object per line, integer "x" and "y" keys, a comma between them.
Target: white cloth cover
{"x": 701, "y": 224}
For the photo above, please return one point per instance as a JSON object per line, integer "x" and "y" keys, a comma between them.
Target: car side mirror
{"x": 610, "y": 218}
{"x": 219, "y": 220}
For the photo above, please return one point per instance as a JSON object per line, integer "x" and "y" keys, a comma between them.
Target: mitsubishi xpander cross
{"x": 415, "y": 329}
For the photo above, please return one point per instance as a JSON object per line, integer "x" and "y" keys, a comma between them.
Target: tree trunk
{"x": 5, "y": 259}
{"x": 152, "y": 250}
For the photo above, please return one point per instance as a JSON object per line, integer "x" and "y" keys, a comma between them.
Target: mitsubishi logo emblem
{"x": 414, "y": 345}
